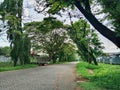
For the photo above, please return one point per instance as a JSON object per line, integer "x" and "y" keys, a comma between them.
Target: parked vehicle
{"x": 42, "y": 59}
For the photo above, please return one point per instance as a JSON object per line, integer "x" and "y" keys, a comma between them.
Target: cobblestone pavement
{"x": 51, "y": 77}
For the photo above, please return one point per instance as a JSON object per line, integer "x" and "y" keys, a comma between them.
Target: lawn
{"x": 101, "y": 77}
{"x": 9, "y": 66}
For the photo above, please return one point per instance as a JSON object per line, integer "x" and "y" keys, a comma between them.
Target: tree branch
{"x": 106, "y": 32}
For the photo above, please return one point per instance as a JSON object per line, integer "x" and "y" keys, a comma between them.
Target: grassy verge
{"x": 104, "y": 76}
{"x": 9, "y": 66}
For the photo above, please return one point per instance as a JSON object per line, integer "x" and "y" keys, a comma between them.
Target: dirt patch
{"x": 78, "y": 88}
{"x": 91, "y": 71}
{"x": 77, "y": 79}
{"x": 81, "y": 79}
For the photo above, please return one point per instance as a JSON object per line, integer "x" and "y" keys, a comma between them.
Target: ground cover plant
{"x": 102, "y": 77}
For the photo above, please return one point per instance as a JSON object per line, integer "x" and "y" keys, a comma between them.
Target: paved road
{"x": 51, "y": 77}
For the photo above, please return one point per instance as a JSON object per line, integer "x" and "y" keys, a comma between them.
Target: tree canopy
{"x": 11, "y": 11}
{"x": 49, "y": 36}
{"x": 112, "y": 7}
{"x": 84, "y": 6}
{"x": 89, "y": 46}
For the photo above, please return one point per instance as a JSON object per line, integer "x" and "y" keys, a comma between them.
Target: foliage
{"x": 86, "y": 39}
{"x": 55, "y": 6}
{"x": 104, "y": 76}
{"x": 67, "y": 53}
{"x": 25, "y": 50}
{"x": 49, "y": 36}
{"x": 5, "y": 51}
{"x": 113, "y": 8}
{"x": 84, "y": 6}
{"x": 21, "y": 50}
{"x": 48, "y": 24}
{"x": 11, "y": 12}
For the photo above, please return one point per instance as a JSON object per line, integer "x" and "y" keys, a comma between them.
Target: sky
{"x": 30, "y": 15}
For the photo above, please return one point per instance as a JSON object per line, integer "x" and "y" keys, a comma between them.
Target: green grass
{"x": 61, "y": 63}
{"x": 9, "y": 66}
{"x": 105, "y": 76}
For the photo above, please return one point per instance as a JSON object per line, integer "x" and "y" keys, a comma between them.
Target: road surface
{"x": 51, "y": 77}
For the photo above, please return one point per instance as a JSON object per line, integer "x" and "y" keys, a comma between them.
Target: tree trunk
{"x": 15, "y": 61}
{"x": 111, "y": 35}
{"x": 93, "y": 58}
{"x": 85, "y": 52}
{"x": 54, "y": 58}
{"x": 54, "y": 61}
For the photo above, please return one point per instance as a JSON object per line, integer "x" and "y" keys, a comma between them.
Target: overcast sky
{"x": 30, "y": 15}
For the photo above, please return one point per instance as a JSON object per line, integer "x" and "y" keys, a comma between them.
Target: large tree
{"x": 11, "y": 13}
{"x": 85, "y": 8}
{"x": 47, "y": 36}
{"x": 89, "y": 46}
